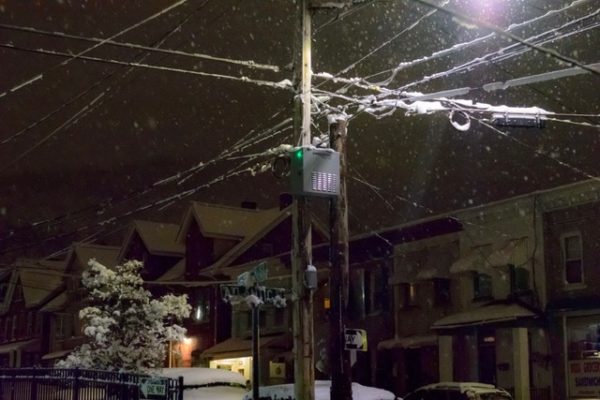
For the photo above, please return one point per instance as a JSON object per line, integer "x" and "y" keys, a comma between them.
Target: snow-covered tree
{"x": 127, "y": 329}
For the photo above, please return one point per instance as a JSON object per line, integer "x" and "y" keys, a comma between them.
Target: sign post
{"x": 355, "y": 340}
{"x": 248, "y": 289}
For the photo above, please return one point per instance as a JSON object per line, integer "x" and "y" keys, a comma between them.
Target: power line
{"x": 96, "y": 84}
{"x": 245, "y": 63}
{"x": 71, "y": 121}
{"x": 508, "y": 35}
{"x": 284, "y": 84}
{"x": 464, "y": 45}
{"x": 81, "y": 53}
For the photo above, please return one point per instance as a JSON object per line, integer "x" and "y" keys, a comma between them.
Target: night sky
{"x": 146, "y": 125}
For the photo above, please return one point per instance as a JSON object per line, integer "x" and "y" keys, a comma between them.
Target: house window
{"x": 441, "y": 292}
{"x": 519, "y": 280}
{"x": 375, "y": 290}
{"x": 59, "y": 326}
{"x": 29, "y": 324}
{"x": 356, "y": 304}
{"x": 408, "y": 295}
{"x": 572, "y": 258}
{"x": 13, "y": 332}
{"x": 482, "y": 285}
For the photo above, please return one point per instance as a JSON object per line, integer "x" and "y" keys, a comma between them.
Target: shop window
{"x": 408, "y": 295}
{"x": 583, "y": 354}
{"x": 441, "y": 292}
{"x": 572, "y": 258}
{"x": 482, "y": 285}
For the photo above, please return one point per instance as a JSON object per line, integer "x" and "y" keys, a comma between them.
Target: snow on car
{"x": 322, "y": 392}
{"x": 208, "y": 383}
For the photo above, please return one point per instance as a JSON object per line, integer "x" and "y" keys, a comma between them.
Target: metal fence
{"x": 82, "y": 384}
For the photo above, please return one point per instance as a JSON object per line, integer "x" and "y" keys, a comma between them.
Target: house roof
{"x": 491, "y": 313}
{"x": 268, "y": 224}
{"x": 105, "y": 255}
{"x": 227, "y": 222}
{"x": 39, "y": 279}
{"x": 175, "y": 273}
{"x": 159, "y": 238}
{"x": 235, "y": 347}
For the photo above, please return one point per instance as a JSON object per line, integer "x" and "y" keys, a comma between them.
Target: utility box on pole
{"x": 315, "y": 172}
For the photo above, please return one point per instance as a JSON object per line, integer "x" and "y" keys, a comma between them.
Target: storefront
{"x": 582, "y": 355}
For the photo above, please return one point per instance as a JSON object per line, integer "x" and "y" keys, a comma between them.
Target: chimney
{"x": 250, "y": 205}
{"x": 285, "y": 199}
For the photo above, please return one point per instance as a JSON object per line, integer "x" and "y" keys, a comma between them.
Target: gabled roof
{"x": 159, "y": 238}
{"x": 39, "y": 279}
{"x": 105, "y": 255}
{"x": 226, "y": 222}
{"x": 249, "y": 241}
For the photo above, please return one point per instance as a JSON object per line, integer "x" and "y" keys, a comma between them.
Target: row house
{"x": 24, "y": 289}
{"x": 572, "y": 252}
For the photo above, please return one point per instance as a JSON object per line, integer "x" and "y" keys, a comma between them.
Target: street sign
{"x": 235, "y": 293}
{"x": 355, "y": 339}
{"x": 256, "y": 275}
{"x": 153, "y": 389}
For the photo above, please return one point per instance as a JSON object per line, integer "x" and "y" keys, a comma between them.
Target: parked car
{"x": 208, "y": 383}
{"x": 459, "y": 391}
{"x": 322, "y": 392}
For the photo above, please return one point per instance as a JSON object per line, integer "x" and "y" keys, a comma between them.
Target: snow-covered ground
{"x": 225, "y": 385}
{"x": 322, "y": 388}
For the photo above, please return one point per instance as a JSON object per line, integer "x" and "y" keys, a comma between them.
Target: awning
{"x": 408, "y": 342}
{"x": 487, "y": 314}
{"x": 7, "y": 348}
{"x": 56, "y": 354}
{"x": 234, "y": 347}
{"x": 513, "y": 252}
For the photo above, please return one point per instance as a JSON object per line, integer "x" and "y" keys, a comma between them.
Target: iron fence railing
{"x": 83, "y": 384}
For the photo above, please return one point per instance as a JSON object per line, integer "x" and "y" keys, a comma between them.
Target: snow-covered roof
{"x": 235, "y": 347}
{"x": 408, "y": 342}
{"x": 473, "y": 387}
{"x": 39, "y": 278}
{"x": 227, "y": 222}
{"x": 485, "y": 314}
{"x": 268, "y": 224}
{"x": 159, "y": 238}
{"x": 105, "y": 255}
{"x": 322, "y": 392}
{"x": 175, "y": 273}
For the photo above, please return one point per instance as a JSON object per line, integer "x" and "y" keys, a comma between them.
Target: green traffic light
{"x": 299, "y": 154}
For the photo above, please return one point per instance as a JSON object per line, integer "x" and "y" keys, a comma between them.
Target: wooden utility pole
{"x": 304, "y": 374}
{"x": 341, "y": 378}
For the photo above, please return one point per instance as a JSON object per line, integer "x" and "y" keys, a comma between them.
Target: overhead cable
{"x": 81, "y": 53}
{"x": 284, "y": 84}
{"x": 245, "y": 63}
{"x": 505, "y": 33}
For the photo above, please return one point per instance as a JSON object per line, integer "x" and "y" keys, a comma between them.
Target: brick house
{"x": 572, "y": 253}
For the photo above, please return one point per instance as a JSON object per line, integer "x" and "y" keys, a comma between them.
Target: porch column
{"x": 446, "y": 362}
{"x": 521, "y": 363}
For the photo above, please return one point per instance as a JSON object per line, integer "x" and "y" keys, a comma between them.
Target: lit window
{"x": 572, "y": 258}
